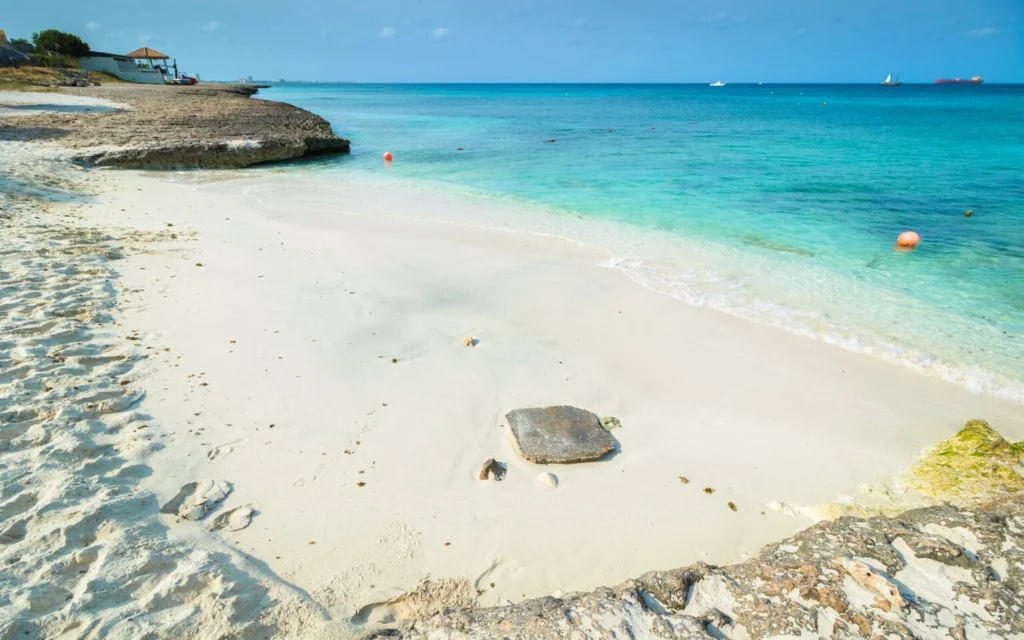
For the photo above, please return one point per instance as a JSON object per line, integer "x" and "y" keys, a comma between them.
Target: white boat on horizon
{"x": 889, "y": 82}
{"x": 717, "y": 84}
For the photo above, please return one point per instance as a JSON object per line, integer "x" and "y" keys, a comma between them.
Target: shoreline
{"x": 212, "y": 300}
{"x": 689, "y": 270}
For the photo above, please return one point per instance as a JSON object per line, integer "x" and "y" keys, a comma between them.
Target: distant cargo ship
{"x": 974, "y": 80}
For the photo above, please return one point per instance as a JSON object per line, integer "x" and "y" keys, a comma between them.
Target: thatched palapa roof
{"x": 3, "y": 37}
{"x": 11, "y": 57}
{"x": 145, "y": 53}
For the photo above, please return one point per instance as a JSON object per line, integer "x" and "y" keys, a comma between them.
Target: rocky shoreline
{"x": 950, "y": 568}
{"x": 205, "y": 126}
{"x": 937, "y": 572}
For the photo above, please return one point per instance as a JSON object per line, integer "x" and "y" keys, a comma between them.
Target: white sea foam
{"x": 732, "y": 297}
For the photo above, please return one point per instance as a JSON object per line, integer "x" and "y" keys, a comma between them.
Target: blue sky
{"x": 554, "y": 40}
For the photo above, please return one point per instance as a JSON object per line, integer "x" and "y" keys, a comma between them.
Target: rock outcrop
{"x": 204, "y": 126}
{"x": 938, "y": 572}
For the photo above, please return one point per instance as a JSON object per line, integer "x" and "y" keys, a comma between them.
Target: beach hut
{"x": 11, "y": 57}
{"x": 149, "y": 55}
{"x": 3, "y": 37}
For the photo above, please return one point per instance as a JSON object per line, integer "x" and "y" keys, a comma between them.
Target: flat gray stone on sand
{"x": 558, "y": 435}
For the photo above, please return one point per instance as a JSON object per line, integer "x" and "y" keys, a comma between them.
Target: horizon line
{"x": 577, "y": 83}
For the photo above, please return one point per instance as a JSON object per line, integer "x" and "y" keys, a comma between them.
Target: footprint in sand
{"x": 224, "y": 449}
{"x": 234, "y": 520}
{"x": 310, "y": 479}
{"x": 196, "y": 499}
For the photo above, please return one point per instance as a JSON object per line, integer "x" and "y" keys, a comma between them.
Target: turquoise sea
{"x": 778, "y": 203}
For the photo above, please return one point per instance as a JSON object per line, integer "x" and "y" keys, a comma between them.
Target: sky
{"x": 553, "y": 40}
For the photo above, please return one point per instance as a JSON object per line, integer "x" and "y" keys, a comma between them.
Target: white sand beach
{"x": 21, "y": 103}
{"x": 317, "y": 364}
{"x": 299, "y": 357}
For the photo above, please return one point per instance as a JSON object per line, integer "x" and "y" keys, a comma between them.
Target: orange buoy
{"x": 387, "y": 156}
{"x": 908, "y": 240}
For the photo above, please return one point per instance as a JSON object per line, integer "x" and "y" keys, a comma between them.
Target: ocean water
{"x": 777, "y": 203}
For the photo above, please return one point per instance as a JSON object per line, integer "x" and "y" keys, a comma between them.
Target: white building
{"x": 125, "y": 67}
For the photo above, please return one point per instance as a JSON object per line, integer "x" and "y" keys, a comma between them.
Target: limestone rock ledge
{"x": 206, "y": 126}
{"x": 936, "y": 572}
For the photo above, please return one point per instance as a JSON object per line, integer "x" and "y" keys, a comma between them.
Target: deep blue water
{"x": 784, "y": 200}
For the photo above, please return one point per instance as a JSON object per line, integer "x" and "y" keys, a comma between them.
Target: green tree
{"x": 65, "y": 44}
{"x": 16, "y": 41}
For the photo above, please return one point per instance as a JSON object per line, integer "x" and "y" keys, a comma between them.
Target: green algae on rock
{"x": 869, "y": 501}
{"x": 975, "y": 465}
{"x": 610, "y": 422}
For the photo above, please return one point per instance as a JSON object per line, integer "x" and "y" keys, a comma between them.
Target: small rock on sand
{"x": 558, "y": 435}
{"x": 493, "y": 468}
{"x": 549, "y": 479}
{"x": 469, "y": 341}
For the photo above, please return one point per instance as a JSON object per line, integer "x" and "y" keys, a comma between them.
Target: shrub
{"x": 61, "y": 43}
{"x": 55, "y": 60}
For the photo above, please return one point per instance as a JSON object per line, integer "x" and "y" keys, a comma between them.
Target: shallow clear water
{"x": 777, "y": 203}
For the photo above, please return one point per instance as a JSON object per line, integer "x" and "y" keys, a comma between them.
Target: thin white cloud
{"x": 212, "y": 25}
{"x": 441, "y": 32}
{"x": 386, "y": 32}
{"x": 145, "y": 37}
{"x": 799, "y": 33}
{"x": 93, "y": 26}
{"x": 115, "y": 34}
{"x": 716, "y": 17}
{"x": 579, "y": 22}
{"x": 983, "y": 32}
